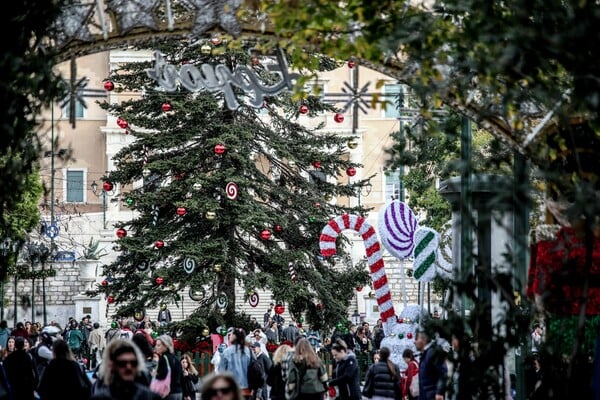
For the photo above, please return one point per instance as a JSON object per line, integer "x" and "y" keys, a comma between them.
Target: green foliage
{"x": 560, "y": 335}
{"x": 269, "y": 156}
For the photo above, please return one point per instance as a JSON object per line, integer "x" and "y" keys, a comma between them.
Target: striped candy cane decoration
{"x": 292, "y": 271}
{"x": 357, "y": 223}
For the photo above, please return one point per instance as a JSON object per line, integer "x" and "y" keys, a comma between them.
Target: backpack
{"x": 256, "y": 373}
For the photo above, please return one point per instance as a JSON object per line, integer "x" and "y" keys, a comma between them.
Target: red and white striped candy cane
{"x": 357, "y": 223}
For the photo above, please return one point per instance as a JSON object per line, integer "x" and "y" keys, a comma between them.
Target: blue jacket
{"x": 236, "y": 361}
{"x": 433, "y": 373}
{"x": 346, "y": 378}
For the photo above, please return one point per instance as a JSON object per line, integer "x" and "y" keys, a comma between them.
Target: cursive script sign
{"x": 219, "y": 78}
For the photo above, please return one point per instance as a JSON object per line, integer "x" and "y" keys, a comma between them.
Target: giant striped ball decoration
{"x": 359, "y": 224}
{"x": 427, "y": 242}
{"x": 396, "y": 225}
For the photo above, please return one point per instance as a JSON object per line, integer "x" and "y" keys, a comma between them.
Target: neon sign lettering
{"x": 219, "y": 78}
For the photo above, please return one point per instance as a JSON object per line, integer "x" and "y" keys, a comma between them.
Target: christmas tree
{"x": 226, "y": 198}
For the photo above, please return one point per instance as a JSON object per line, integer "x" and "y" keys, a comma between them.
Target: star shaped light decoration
{"x": 134, "y": 13}
{"x": 72, "y": 24}
{"x": 211, "y": 13}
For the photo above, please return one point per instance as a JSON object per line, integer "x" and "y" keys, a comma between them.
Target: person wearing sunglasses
{"x": 121, "y": 365}
{"x": 221, "y": 386}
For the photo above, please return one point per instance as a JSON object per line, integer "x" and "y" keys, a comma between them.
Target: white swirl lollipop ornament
{"x": 444, "y": 264}
{"x": 397, "y": 225}
{"x": 427, "y": 242}
{"x": 231, "y": 190}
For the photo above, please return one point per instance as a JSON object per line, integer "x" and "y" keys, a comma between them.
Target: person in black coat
{"x": 21, "y": 371}
{"x": 166, "y": 351}
{"x": 383, "y": 378}
{"x": 64, "y": 372}
{"x": 345, "y": 375}
{"x": 433, "y": 371}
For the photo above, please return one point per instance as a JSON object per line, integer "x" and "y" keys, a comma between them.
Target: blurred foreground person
{"x": 121, "y": 364}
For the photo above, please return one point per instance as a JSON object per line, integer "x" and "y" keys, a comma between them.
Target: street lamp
{"x": 363, "y": 191}
{"x": 107, "y": 190}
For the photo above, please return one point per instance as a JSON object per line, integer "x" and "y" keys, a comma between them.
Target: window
{"x": 74, "y": 186}
{"x": 393, "y": 94}
{"x": 393, "y": 185}
{"x": 78, "y": 109}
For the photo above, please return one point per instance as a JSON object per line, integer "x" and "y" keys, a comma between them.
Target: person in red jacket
{"x": 411, "y": 372}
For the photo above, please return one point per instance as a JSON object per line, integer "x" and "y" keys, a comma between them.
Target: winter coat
{"x": 122, "y": 390}
{"x": 61, "y": 375}
{"x": 176, "y": 371}
{"x": 21, "y": 373}
{"x": 432, "y": 373}
{"x": 276, "y": 382}
{"x": 346, "y": 378}
{"x": 379, "y": 381}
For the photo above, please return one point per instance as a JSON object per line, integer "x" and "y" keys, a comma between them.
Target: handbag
{"x": 162, "y": 387}
{"x": 414, "y": 386}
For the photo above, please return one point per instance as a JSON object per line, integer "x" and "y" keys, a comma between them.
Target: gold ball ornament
{"x": 205, "y": 332}
{"x": 206, "y": 49}
{"x": 352, "y": 144}
{"x": 217, "y": 267}
{"x": 210, "y": 215}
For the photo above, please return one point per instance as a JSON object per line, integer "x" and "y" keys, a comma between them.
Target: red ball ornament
{"x": 107, "y": 186}
{"x": 338, "y": 117}
{"x": 121, "y": 233}
{"x": 319, "y": 306}
{"x": 351, "y": 64}
{"x": 279, "y": 309}
{"x": 303, "y": 109}
{"x": 104, "y": 282}
{"x": 166, "y": 107}
{"x": 400, "y": 320}
{"x": 278, "y": 228}
{"x": 110, "y": 299}
{"x": 122, "y": 123}
{"x": 351, "y": 171}
{"x": 159, "y": 244}
{"x": 160, "y": 280}
{"x": 316, "y": 164}
{"x": 265, "y": 234}
{"x": 109, "y": 86}
{"x": 255, "y": 61}
{"x": 181, "y": 211}
{"x": 317, "y": 205}
{"x": 359, "y": 288}
{"x": 219, "y": 148}
{"x": 409, "y": 335}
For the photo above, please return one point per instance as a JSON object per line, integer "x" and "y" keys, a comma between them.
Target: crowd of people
{"x": 130, "y": 360}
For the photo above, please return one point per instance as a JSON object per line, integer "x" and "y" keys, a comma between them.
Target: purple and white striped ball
{"x": 397, "y": 225}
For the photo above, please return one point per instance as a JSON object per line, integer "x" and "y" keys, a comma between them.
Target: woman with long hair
{"x": 221, "y": 386}
{"x": 190, "y": 377}
{"x": 345, "y": 374}
{"x": 236, "y": 359}
{"x": 63, "y": 372}
{"x": 274, "y": 378}
{"x": 307, "y": 376}
{"x": 382, "y": 381}
{"x": 168, "y": 362}
{"x": 10, "y": 347}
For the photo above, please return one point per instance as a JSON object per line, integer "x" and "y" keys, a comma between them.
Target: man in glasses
{"x": 122, "y": 363}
